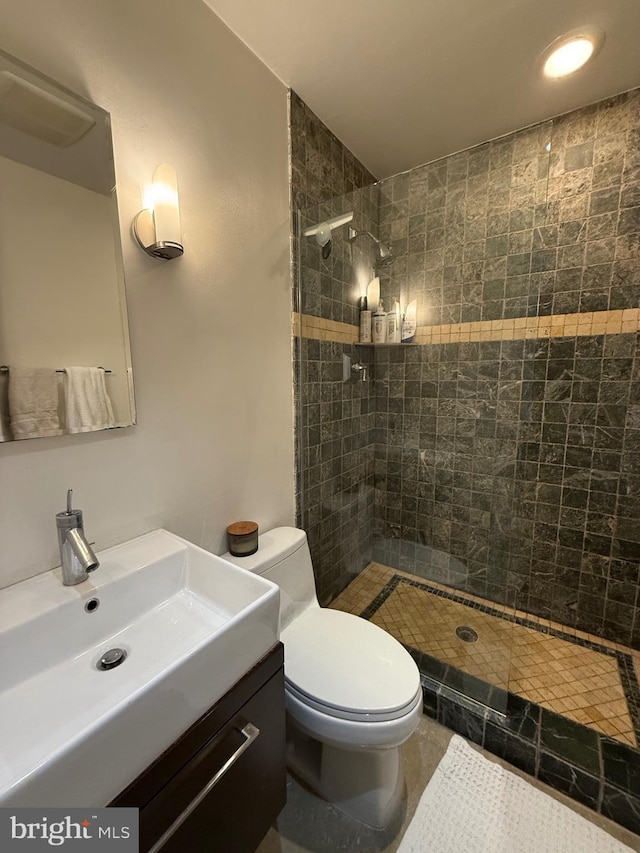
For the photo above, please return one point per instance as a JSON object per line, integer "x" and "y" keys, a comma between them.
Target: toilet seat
{"x": 357, "y": 716}
{"x": 353, "y": 734}
{"x": 348, "y": 668}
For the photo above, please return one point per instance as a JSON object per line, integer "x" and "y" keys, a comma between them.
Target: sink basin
{"x": 190, "y": 624}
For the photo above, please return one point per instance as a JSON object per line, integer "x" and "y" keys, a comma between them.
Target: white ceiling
{"x": 403, "y": 82}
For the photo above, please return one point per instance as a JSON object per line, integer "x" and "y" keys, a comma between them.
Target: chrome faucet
{"x": 76, "y": 555}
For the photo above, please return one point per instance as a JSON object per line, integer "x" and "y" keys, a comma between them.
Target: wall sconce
{"x": 157, "y": 227}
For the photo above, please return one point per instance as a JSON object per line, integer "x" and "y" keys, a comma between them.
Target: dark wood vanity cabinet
{"x": 221, "y": 785}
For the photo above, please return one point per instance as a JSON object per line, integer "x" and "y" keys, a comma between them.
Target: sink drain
{"x": 111, "y": 659}
{"x": 466, "y": 634}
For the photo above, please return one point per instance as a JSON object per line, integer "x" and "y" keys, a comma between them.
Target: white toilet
{"x": 353, "y": 693}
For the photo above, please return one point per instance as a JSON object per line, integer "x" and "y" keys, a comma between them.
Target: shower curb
{"x": 604, "y": 774}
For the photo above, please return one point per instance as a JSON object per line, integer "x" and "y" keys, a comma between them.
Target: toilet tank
{"x": 283, "y": 557}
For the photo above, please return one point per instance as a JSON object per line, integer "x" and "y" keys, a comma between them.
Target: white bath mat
{"x": 476, "y": 806}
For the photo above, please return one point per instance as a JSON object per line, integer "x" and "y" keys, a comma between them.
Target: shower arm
{"x": 354, "y": 234}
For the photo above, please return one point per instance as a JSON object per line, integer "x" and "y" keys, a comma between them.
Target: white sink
{"x": 191, "y": 625}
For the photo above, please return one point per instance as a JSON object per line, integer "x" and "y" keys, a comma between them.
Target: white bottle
{"x": 393, "y": 324}
{"x": 365, "y": 327}
{"x": 379, "y": 324}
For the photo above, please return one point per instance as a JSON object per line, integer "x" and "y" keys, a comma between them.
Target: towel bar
{"x": 4, "y": 368}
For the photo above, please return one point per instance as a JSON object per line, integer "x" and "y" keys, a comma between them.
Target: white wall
{"x": 210, "y": 332}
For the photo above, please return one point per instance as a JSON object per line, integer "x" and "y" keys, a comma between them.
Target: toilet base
{"x": 366, "y": 784}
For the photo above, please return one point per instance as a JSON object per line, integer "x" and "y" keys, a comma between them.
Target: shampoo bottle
{"x": 393, "y": 324}
{"x": 379, "y": 325}
{"x": 365, "y": 322}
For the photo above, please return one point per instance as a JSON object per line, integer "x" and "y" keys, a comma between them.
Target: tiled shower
{"x": 490, "y": 470}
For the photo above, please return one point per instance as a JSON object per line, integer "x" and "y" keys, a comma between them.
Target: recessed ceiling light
{"x": 571, "y": 51}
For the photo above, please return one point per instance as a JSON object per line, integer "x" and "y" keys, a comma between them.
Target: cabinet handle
{"x": 250, "y": 733}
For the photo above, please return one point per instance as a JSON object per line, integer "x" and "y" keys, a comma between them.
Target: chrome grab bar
{"x": 250, "y": 733}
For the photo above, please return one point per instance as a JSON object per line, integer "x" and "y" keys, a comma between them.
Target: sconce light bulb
{"x": 166, "y": 212}
{"x": 323, "y": 235}
{"x": 157, "y": 227}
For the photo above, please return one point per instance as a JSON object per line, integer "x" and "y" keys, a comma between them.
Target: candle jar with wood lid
{"x": 243, "y": 538}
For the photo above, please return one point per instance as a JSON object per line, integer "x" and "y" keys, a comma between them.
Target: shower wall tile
{"x": 328, "y": 180}
{"x": 336, "y": 444}
{"x": 511, "y": 468}
{"x": 545, "y": 221}
{"x": 334, "y": 420}
{"x": 323, "y": 168}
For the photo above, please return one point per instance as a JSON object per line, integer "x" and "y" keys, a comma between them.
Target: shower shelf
{"x": 358, "y": 344}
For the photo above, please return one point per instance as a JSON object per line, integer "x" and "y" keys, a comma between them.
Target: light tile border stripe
{"x": 519, "y": 328}
{"x": 320, "y": 329}
{"x": 623, "y": 321}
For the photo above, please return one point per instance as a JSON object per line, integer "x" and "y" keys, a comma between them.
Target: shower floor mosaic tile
{"x": 569, "y": 672}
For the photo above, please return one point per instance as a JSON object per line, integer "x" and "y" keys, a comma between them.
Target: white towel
{"x": 88, "y": 407}
{"x": 33, "y": 402}
{"x": 472, "y": 804}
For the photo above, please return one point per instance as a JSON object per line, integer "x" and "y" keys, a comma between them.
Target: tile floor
{"x": 310, "y": 825}
{"x": 570, "y": 679}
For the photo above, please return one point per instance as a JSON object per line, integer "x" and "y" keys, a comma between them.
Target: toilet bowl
{"x": 352, "y": 692}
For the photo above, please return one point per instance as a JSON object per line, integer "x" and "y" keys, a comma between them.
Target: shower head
{"x": 384, "y": 253}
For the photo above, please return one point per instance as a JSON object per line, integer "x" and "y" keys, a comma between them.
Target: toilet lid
{"x": 347, "y": 663}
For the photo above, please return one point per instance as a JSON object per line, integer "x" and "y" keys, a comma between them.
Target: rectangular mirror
{"x": 62, "y": 295}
